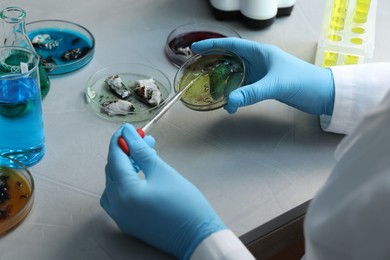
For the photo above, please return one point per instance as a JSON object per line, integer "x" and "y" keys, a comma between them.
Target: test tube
{"x": 330, "y": 59}
{"x": 339, "y": 13}
{"x": 351, "y": 59}
{"x": 334, "y": 37}
{"x": 361, "y": 11}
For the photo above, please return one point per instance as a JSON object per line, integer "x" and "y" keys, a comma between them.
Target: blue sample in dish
{"x": 62, "y": 50}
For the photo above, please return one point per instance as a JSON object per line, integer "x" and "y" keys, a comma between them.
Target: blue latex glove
{"x": 275, "y": 74}
{"x": 164, "y": 209}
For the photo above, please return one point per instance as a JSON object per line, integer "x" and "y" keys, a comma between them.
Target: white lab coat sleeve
{"x": 223, "y": 244}
{"x": 349, "y": 217}
{"x": 358, "y": 89}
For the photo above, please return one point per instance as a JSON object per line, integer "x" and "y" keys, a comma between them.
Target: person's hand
{"x": 163, "y": 209}
{"x": 275, "y": 74}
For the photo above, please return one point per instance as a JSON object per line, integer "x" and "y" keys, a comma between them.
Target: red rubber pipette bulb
{"x": 122, "y": 142}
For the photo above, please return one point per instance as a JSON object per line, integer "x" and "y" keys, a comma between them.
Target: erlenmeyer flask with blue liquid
{"x": 21, "y": 119}
{"x": 13, "y": 33}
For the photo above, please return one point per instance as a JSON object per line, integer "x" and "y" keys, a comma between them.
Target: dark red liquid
{"x": 185, "y": 40}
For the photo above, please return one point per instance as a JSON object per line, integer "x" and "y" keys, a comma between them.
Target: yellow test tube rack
{"x": 347, "y": 33}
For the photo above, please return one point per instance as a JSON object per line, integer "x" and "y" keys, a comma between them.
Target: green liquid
{"x": 44, "y": 81}
{"x": 220, "y": 75}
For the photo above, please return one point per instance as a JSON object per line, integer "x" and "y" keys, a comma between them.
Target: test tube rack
{"x": 347, "y": 33}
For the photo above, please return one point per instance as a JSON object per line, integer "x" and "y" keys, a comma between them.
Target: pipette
{"x": 141, "y": 131}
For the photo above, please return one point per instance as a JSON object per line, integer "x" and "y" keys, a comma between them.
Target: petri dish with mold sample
{"x": 215, "y": 74}
{"x": 127, "y": 92}
{"x": 178, "y": 43}
{"x": 16, "y": 193}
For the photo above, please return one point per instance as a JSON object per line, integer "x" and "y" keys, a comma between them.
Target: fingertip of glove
{"x": 234, "y": 101}
{"x": 202, "y": 45}
{"x": 230, "y": 109}
{"x": 150, "y": 140}
{"x": 104, "y": 203}
{"x": 235, "y": 98}
{"x": 129, "y": 132}
{"x": 196, "y": 47}
{"x": 139, "y": 147}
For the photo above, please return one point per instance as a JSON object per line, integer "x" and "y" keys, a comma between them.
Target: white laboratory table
{"x": 257, "y": 165}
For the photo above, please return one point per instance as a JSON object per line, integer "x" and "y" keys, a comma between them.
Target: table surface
{"x": 253, "y": 166}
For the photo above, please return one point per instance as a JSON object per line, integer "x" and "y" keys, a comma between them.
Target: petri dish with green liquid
{"x": 215, "y": 74}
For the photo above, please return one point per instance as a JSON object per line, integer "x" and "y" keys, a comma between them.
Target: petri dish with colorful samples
{"x": 16, "y": 194}
{"x": 63, "y": 46}
{"x": 128, "y": 92}
{"x": 214, "y": 75}
{"x": 178, "y": 43}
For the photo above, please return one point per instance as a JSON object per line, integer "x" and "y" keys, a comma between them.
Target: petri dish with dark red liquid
{"x": 178, "y": 44}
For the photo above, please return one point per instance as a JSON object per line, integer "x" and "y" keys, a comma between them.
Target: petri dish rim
{"x": 12, "y": 223}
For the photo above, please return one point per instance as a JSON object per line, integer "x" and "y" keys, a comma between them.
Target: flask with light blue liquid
{"x": 21, "y": 119}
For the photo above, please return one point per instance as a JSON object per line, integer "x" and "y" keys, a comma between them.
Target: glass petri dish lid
{"x": 178, "y": 43}
{"x": 16, "y": 194}
{"x": 215, "y": 74}
{"x": 63, "y": 46}
{"x": 127, "y": 92}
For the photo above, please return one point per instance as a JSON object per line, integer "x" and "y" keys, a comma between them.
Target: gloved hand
{"x": 164, "y": 209}
{"x": 275, "y": 74}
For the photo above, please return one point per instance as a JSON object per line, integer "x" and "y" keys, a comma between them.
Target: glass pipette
{"x": 141, "y": 131}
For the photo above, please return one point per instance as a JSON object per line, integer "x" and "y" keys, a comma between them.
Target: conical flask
{"x": 13, "y": 33}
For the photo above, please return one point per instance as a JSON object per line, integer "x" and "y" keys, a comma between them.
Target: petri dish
{"x": 215, "y": 74}
{"x": 103, "y": 101}
{"x": 178, "y": 43}
{"x": 16, "y": 194}
{"x": 63, "y": 46}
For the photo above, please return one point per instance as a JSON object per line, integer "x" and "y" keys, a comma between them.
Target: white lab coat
{"x": 349, "y": 218}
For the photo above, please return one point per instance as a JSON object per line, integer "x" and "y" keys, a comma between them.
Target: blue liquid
{"x": 67, "y": 40}
{"x": 21, "y": 121}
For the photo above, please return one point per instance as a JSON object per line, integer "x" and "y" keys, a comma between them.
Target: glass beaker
{"x": 14, "y": 34}
{"x": 21, "y": 120}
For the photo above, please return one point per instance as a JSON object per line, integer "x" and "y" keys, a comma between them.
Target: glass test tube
{"x": 361, "y": 11}
{"x": 337, "y": 21}
{"x": 339, "y": 13}
{"x": 351, "y": 59}
{"x": 330, "y": 59}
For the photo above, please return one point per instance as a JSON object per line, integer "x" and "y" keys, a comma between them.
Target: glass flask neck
{"x": 14, "y": 28}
